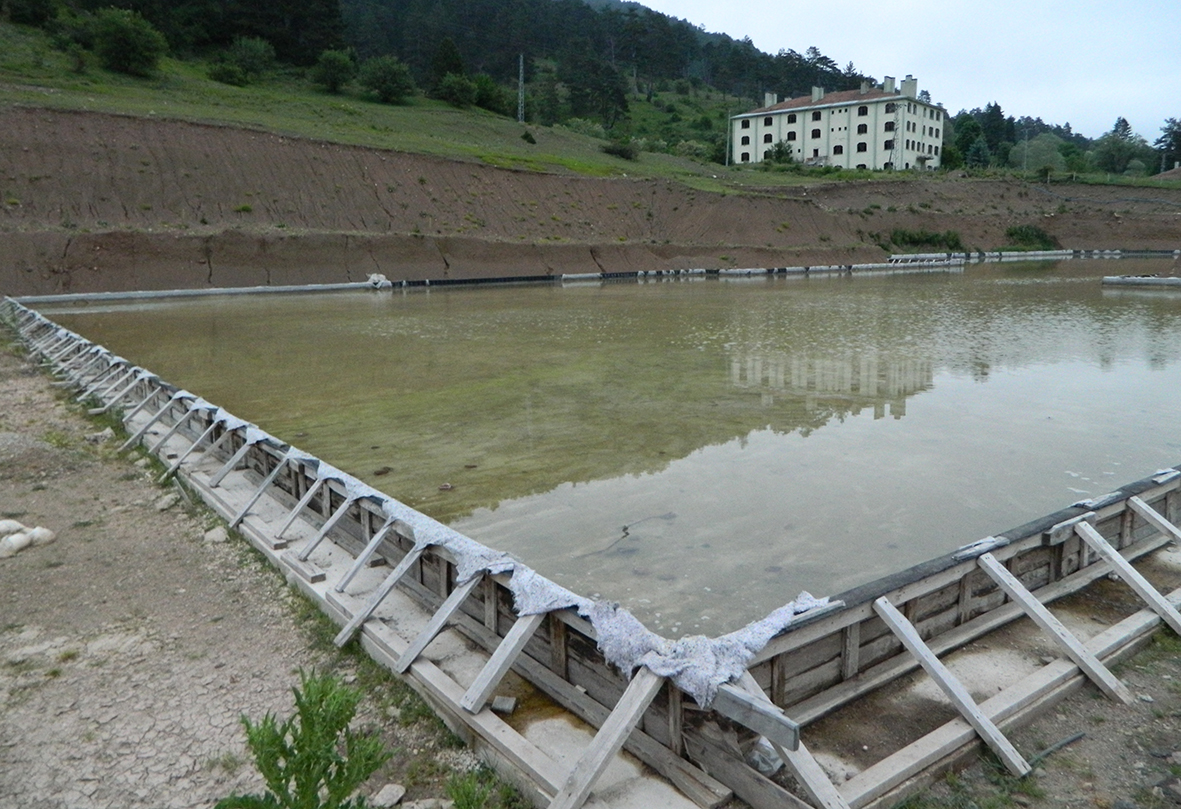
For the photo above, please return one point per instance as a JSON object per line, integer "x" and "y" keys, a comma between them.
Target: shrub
{"x": 622, "y": 148}
{"x": 388, "y": 78}
{"x": 311, "y": 760}
{"x": 950, "y": 240}
{"x": 254, "y": 56}
{"x": 456, "y": 90}
{"x": 127, "y": 43}
{"x": 30, "y": 12}
{"x": 227, "y": 73}
{"x": 334, "y": 69}
{"x": 1031, "y": 237}
{"x": 491, "y": 96}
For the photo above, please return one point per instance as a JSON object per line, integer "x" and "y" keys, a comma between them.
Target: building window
{"x": 767, "y": 154}
{"x": 815, "y": 153}
{"x": 862, "y": 166}
{"x": 889, "y": 126}
{"x": 767, "y": 121}
{"x": 862, "y": 129}
{"x": 838, "y": 150}
{"x": 791, "y": 119}
{"x": 816, "y": 133}
{"x": 888, "y": 145}
{"x": 791, "y": 135}
{"x": 863, "y": 110}
{"x": 746, "y": 140}
{"x": 816, "y": 115}
{"x": 891, "y": 107}
{"x": 863, "y": 146}
{"x": 746, "y": 123}
{"x": 767, "y": 138}
{"x": 936, "y": 133}
{"x": 937, "y": 151}
{"x": 746, "y": 157}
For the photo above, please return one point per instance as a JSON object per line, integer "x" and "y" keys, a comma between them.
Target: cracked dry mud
{"x": 130, "y": 647}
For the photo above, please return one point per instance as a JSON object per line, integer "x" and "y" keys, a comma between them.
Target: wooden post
{"x": 437, "y": 622}
{"x": 377, "y": 596}
{"x": 1123, "y": 568}
{"x": 1041, "y": 616}
{"x": 952, "y": 687}
{"x": 557, "y": 646}
{"x": 500, "y": 662}
{"x": 490, "y": 610}
{"x": 611, "y": 736}
{"x": 850, "y": 651}
{"x": 1154, "y": 518}
{"x": 757, "y": 712}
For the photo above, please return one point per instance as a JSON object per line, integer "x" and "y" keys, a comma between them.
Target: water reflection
{"x": 701, "y": 452}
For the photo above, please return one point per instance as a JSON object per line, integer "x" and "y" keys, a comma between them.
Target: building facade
{"x": 882, "y": 127}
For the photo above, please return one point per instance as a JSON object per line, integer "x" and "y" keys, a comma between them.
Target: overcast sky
{"x": 1085, "y": 62}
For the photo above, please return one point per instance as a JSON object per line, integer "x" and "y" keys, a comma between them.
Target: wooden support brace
{"x": 220, "y": 475}
{"x": 378, "y": 595}
{"x": 611, "y": 736}
{"x": 173, "y": 430}
{"x": 1123, "y": 568}
{"x": 341, "y": 510}
{"x": 437, "y": 622}
{"x": 118, "y": 379}
{"x": 300, "y": 506}
{"x": 302, "y": 568}
{"x": 1154, "y": 518}
{"x": 147, "y": 425}
{"x": 135, "y": 410}
{"x": 758, "y": 713}
{"x": 170, "y": 471}
{"x": 1087, "y": 662}
{"x": 799, "y": 760}
{"x": 500, "y": 662}
{"x": 366, "y": 554}
{"x": 952, "y": 687}
{"x": 114, "y": 400}
{"x": 100, "y": 379}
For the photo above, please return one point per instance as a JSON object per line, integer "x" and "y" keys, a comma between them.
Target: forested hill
{"x": 571, "y": 34}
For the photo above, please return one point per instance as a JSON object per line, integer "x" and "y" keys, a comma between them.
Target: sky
{"x": 1082, "y": 62}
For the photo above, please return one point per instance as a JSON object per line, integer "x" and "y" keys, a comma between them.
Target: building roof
{"x": 839, "y": 97}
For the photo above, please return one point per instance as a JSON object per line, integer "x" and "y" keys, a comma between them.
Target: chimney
{"x": 817, "y": 93}
{"x": 864, "y": 87}
{"x": 910, "y": 86}
{"x": 888, "y": 85}
{"x": 770, "y": 99}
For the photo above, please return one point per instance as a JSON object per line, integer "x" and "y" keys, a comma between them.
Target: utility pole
{"x": 521, "y": 88}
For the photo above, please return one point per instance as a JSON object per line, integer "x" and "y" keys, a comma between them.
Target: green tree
{"x": 457, "y": 90}
{"x": 254, "y": 56}
{"x": 978, "y": 156}
{"x": 491, "y": 96}
{"x": 333, "y": 70}
{"x": 388, "y": 78}
{"x": 446, "y": 62}
{"x": 1038, "y": 154}
{"x": 1118, "y": 148}
{"x": 1169, "y": 143}
{"x": 967, "y": 132}
{"x": 30, "y": 12}
{"x": 127, "y": 43}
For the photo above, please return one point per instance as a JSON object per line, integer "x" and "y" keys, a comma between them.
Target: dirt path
{"x": 130, "y": 647}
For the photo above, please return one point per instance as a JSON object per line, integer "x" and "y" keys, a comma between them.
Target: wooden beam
{"x": 800, "y": 761}
{"x": 1041, "y": 616}
{"x": 378, "y": 595}
{"x": 220, "y": 475}
{"x": 1154, "y": 518}
{"x": 300, "y": 506}
{"x": 611, "y": 736}
{"x": 329, "y": 524}
{"x": 758, "y": 713}
{"x": 1123, "y": 568}
{"x": 266, "y": 484}
{"x": 170, "y": 471}
{"x": 952, "y": 687}
{"x": 500, "y": 662}
{"x": 436, "y": 623}
{"x": 364, "y": 556}
{"x": 850, "y": 651}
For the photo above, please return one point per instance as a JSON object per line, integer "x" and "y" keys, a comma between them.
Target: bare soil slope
{"x": 99, "y": 202}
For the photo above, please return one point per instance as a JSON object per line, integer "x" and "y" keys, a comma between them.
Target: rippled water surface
{"x": 703, "y": 450}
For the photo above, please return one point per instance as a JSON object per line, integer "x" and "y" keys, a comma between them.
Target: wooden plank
{"x": 724, "y": 762}
{"x": 559, "y": 655}
{"x": 676, "y": 720}
{"x": 300, "y": 506}
{"x": 1123, "y": 568}
{"x": 220, "y": 475}
{"x": 800, "y": 761}
{"x": 1025, "y": 697}
{"x": 1041, "y": 616}
{"x": 147, "y": 425}
{"x": 378, "y": 595}
{"x": 850, "y": 651}
{"x": 328, "y": 525}
{"x": 952, "y": 687}
{"x": 639, "y": 694}
{"x": 500, "y": 662}
{"x": 490, "y": 618}
{"x": 171, "y": 470}
{"x": 757, "y": 712}
{"x": 303, "y": 568}
{"x": 1154, "y": 518}
{"x": 266, "y": 484}
{"x": 436, "y": 623}
{"x": 364, "y": 556}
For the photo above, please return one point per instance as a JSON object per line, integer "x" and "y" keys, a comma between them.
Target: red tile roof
{"x": 839, "y": 97}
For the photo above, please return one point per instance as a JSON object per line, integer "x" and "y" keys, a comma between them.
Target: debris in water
{"x": 385, "y": 470}
{"x": 446, "y": 487}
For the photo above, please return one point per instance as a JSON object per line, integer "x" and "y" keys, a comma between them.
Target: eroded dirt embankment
{"x": 94, "y": 202}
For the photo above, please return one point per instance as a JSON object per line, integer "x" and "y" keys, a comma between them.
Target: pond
{"x": 702, "y": 450}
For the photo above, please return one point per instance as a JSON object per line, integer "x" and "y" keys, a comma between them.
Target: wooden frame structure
{"x": 875, "y": 634}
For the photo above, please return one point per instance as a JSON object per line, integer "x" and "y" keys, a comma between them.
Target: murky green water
{"x": 703, "y": 450}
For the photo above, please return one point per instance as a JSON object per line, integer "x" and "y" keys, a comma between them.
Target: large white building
{"x": 882, "y": 127}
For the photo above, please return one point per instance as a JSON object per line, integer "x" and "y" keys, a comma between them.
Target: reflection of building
{"x": 865, "y": 381}
{"x": 880, "y": 127}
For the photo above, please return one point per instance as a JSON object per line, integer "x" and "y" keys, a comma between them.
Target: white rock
{"x": 167, "y": 501}
{"x": 13, "y": 544}
{"x": 11, "y": 527}
{"x": 41, "y": 536}
{"x": 101, "y": 437}
{"x": 389, "y": 795}
{"x": 430, "y": 803}
{"x": 216, "y": 535}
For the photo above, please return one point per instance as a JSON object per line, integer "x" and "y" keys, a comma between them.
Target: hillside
{"x": 98, "y": 202}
